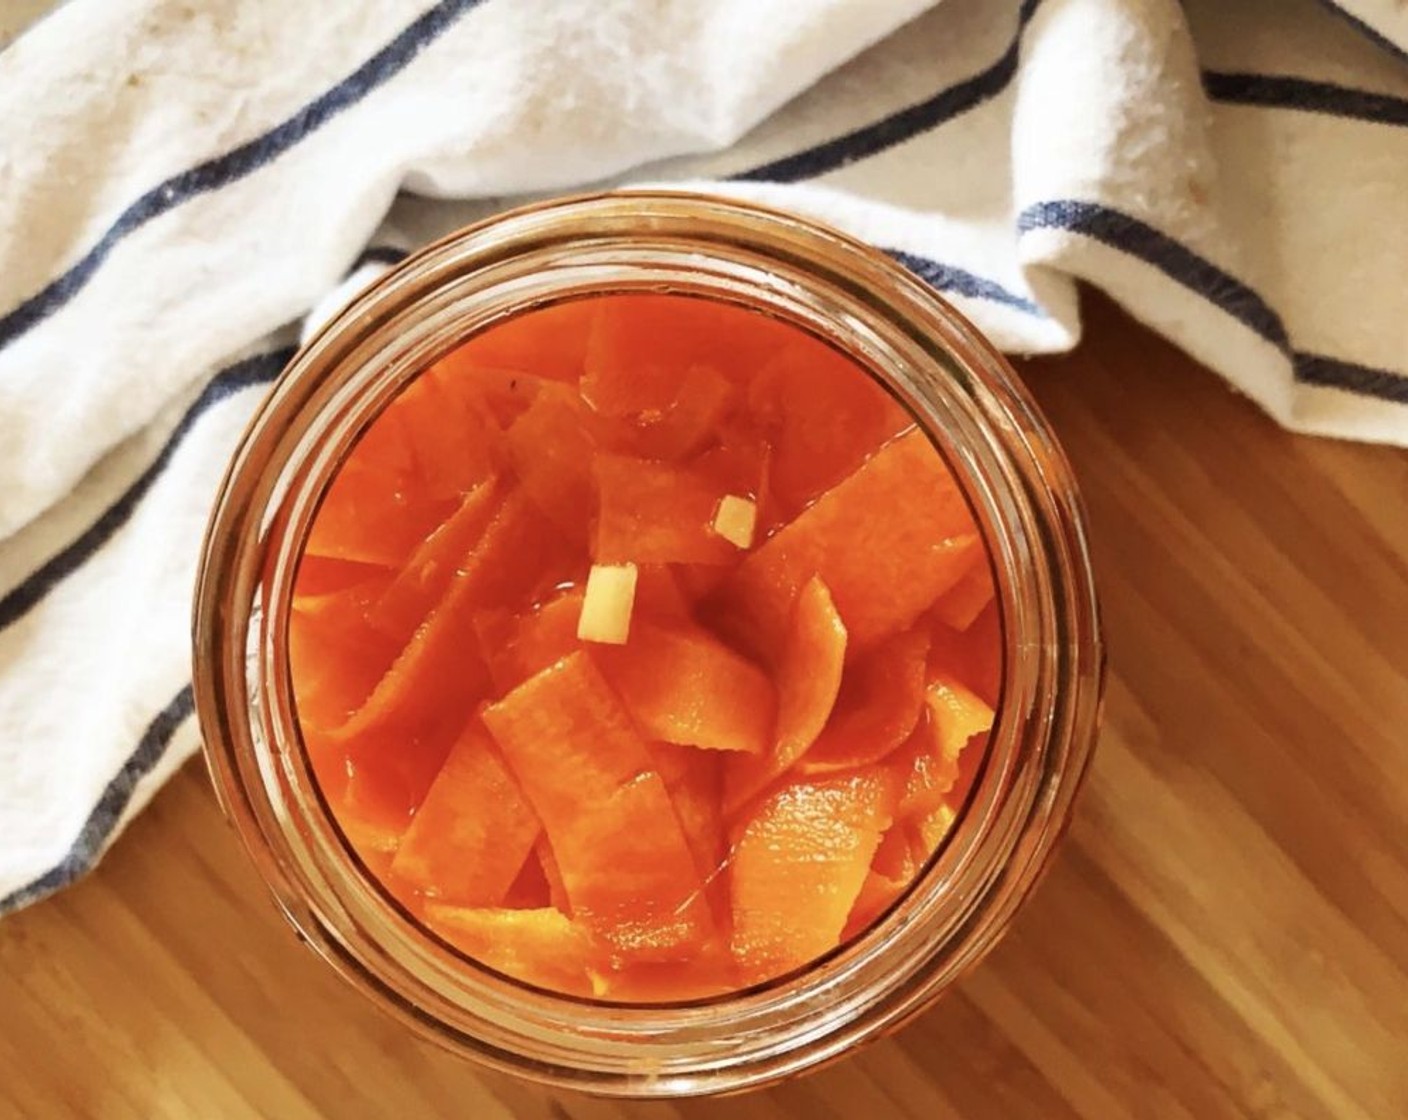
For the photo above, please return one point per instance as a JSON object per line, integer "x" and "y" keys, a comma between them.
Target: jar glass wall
{"x": 958, "y": 389}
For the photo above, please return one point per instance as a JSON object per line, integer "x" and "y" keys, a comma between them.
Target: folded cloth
{"x": 183, "y": 184}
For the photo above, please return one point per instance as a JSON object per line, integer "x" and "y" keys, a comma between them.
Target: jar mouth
{"x": 959, "y": 390}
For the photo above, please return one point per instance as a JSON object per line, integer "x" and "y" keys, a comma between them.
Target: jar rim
{"x": 968, "y": 400}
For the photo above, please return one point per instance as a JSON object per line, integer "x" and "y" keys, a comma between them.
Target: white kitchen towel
{"x": 181, "y": 184}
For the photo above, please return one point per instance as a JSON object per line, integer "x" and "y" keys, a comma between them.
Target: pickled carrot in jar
{"x": 645, "y": 647}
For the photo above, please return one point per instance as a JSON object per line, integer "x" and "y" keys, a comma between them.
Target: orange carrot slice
{"x": 694, "y": 779}
{"x": 986, "y": 672}
{"x": 955, "y": 717}
{"x": 372, "y": 823}
{"x": 973, "y": 657}
{"x": 659, "y": 597}
{"x": 622, "y": 852}
{"x": 647, "y": 341}
{"x": 373, "y": 816}
{"x": 827, "y": 418}
{"x": 960, "y": 606}
{"x": 927, "y": 773}
{"x": 372, "y": 511}
{"x": 385, "y": 446}
{"x": 891, "y": 872}
{"x": 662, "y": 417}
{"x": 539, "y": 947}
{"x": 335, "y": 658}
{"x": 808, "y": 681}
{"x": 958, "y": 714}
{"x": 710, "y": 973}
{"x": 439, "y": 673}
{"x": 405, "y": 473}
{"x": 969, "y": 763}
{"x": 551, "y": 452}
{"x": 318, "y": 576}
{"x": 389, "y": 772}
{"x": 658, "y": 513}
{"x": 699, "y": 581}
{"x": 798, "y": 866}
{"x": 877, "y": 894}
{"x": 550, "y": 342}
{"x": 887, "y": 541}
{"x": 557, "y": 889}
{"x": 567, "y": 738}
{"x": 474, "y": 830}
{"x": 877, "y": 708}
{"x": 455, "y": 445}
{"x": 517, "y": 648}
{"x": 683, "y": 685}
{"x": 739, "y": 459}
{"x": 933, "y": 828}
{"x": 500, "y": 395}
{"x": 423, "y": 579}
{"x": 531, "y": 889}
{"x": 895, "y": 857}
{"x": 625, "y": 862}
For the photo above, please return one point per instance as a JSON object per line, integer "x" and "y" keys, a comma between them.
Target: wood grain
{"x": 1225, "y": 933}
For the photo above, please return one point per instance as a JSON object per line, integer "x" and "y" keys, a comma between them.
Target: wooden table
{"x": 1224, "y": 934}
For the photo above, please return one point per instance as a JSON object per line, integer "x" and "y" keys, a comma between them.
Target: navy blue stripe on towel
{"x": 260, "y": 369}
{"x": 1317, "y": 369}
{"x": 1170, "y": 257}
{"x": 238, "y": 162}
{"x": 947, "y": 278}
{"x": 871, "y": 139}
{"x": 379, "y": 254}
{"x": 1180, "y": 264}
{"x": 1276, "y": 91}
{"x": 1371, "y": 33}
{"x": 112, "y": 803}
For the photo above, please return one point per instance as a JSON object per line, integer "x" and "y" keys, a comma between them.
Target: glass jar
{"x": 957, "y": 387}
